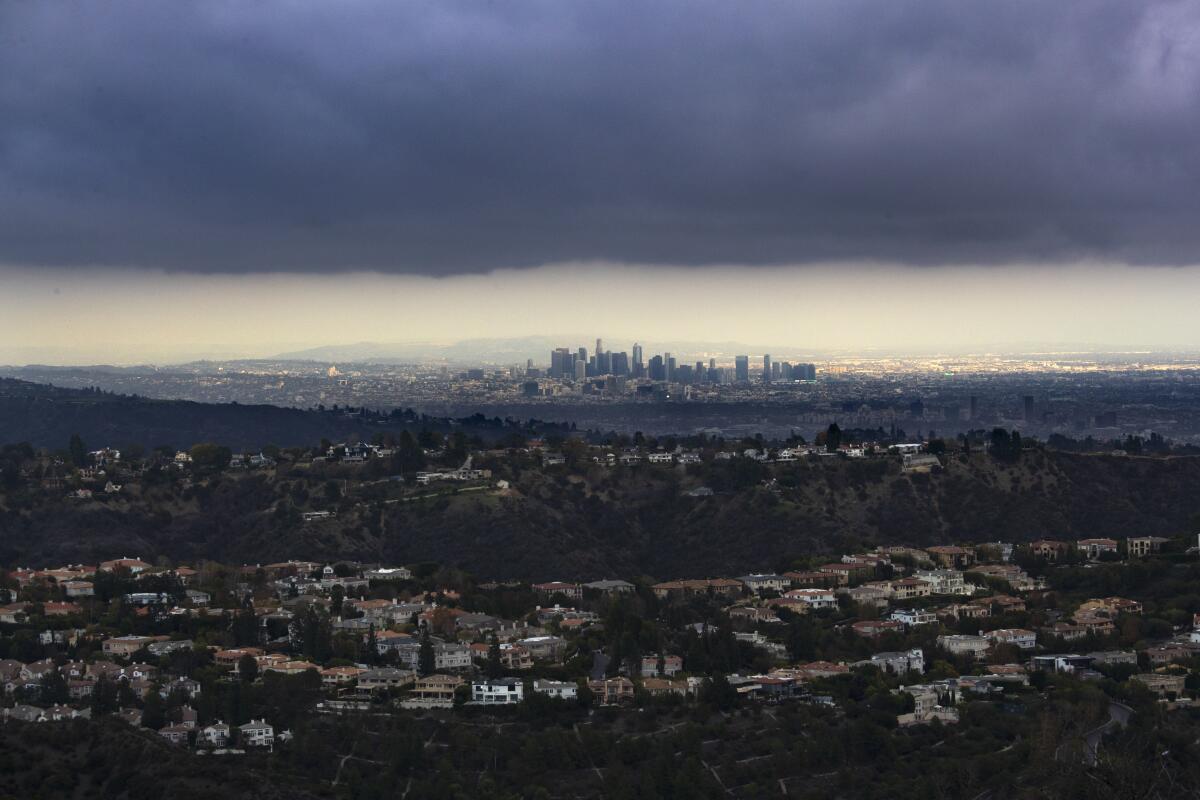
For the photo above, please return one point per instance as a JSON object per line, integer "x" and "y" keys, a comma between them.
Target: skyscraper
{"x": 741, "y": 368}
{"x": 561, "y": 363}
{"x": 638, "y": 364}
{"x": 657, "y": 371}
{"x": 668, "y": 366}
{"x": 580, "y": 369}
{"x": 767, "y": 368}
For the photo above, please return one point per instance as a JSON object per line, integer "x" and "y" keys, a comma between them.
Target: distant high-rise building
{"x": 561, "y": 363}
{"x": 767, "y": 368}
{"x": 657, "y": 371}
{"x": 741, "y": 368}
{"x": 698, "y": 376}
{"x": 582, "y": 355}
{"x": 580, "y": 369}
{"x": 1029, "y": 408}
{"x": 638, "y": 363}
{"x": 712, "y": 363}
{"x": 669, "y": 366}
{"x": 599, "y": 347}
{"x": 619, "y": 363}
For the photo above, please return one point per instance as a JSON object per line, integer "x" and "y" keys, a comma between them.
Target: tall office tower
{"x": 767, "y": 368}
{"x": 1029, "y": 408}
{"x": 558, "y": 362}
{"x": 657, "y": 371}
{"x": 712, "y": 363}
{"x": 670, "y": 365}
{"x": 701, "y": 374}
{"x": 580, "y": 370}
{"x": 603, "y": 363}
{"x": 974, "y": 407}
{"x": 741, "y": 368}
{"x": 582, "y": 354}
{"x": 638, "y": 363}
{"x": 620, "y": 363}
{"x": 593, "y": 367}
{"x": 529, "y": 363}
{"x": 599, "y": 347}
{"x": 683, "y": 374}
{"x": 777, "y": 371}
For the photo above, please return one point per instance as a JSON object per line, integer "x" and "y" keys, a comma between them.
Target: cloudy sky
{"x": 529, "y": 167}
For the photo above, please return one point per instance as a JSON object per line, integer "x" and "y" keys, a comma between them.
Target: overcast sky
{"x": 142, "y": 143}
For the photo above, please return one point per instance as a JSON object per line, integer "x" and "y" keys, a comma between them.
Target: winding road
{"x": 1118, "y": 717}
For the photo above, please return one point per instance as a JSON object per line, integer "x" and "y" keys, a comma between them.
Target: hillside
{"x": 113, "y": 760}
{"x": 47, "y": 416}
{"x": 610, "y": 522}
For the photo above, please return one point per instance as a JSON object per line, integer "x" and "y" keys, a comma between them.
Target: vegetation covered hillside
{"x": 592, "y": 520}
{"x": 46, "y": 416}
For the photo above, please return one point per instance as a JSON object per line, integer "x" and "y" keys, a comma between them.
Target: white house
{"x": 1024, "y": 639}
{"x": 760, "y": 582}
{"x": 560, "y": 690}
{"x": 257, "y": 733}
{"x": 501, "y": 691}
{"x": 216, "y": 734}
{"x": 943, "y": 581}
{"x": 898, "y": 663}
{"x": 815, "y": 598}
{"x": 913, "y": 616}
{"x": 964, "y": 644}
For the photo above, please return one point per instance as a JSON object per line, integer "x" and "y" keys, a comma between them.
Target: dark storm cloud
{"x": 443, "y": 137}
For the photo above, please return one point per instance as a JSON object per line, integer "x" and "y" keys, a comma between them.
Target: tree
{"x": 833, "y": 438}
{"x": 719, "y": 693}
{"x": 54, "y": 688}
{"x": 494, "y": 667}
{"x": 77, "y": 451}
{"x": 336, "y": 595}
{"x": 210, "y": 456}
{"x": 153, "y": 714}
{"x": 248, "y": 668}
{"x": 104, "y": 697}
{"x": 409, "y": 457}
{"x": 372, "y": 645}
{"x": 426, "y": 662}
